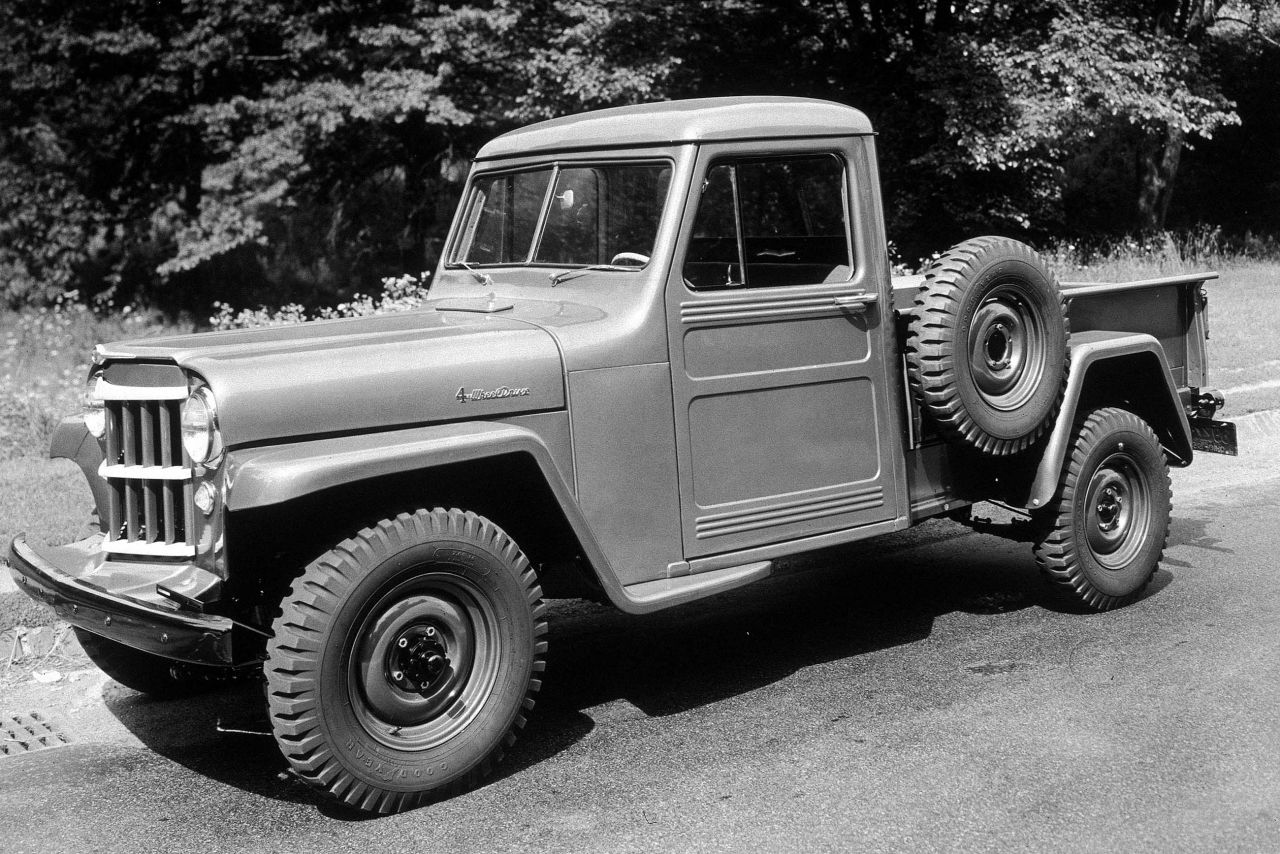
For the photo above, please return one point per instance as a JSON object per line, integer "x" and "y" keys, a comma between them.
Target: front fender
{"x": 72, "y": 441}
{"x": 1146, "y": 379}
{"x": 275, "y": 474}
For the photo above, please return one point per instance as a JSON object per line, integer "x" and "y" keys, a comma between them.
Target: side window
{"x": 769, "y": 223}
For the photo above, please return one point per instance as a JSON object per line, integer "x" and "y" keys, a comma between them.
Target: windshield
{"x": 576, "y": 215}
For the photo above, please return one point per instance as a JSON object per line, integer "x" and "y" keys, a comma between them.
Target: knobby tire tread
{"x": 292, "y": 690}
{"x": 1057, "y": 549}
{"x": 932, "y": 347}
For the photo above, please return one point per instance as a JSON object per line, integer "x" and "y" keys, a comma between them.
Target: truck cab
{"x": 730, "y": 367}
{"x": 663, "y": 348}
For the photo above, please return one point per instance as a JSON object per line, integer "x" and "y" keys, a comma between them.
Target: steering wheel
{"x": 629, "y": 258}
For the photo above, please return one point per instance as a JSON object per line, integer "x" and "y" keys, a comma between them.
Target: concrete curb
{"x": 1265, "y": 423}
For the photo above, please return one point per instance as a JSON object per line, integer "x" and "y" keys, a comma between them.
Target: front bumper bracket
{"x": 179, "y": 635}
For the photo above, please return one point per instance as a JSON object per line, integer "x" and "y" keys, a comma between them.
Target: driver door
{"x": 777, "y": 353}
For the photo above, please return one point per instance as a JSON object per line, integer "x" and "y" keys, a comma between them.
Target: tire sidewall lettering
{"x": 376, "y": 763}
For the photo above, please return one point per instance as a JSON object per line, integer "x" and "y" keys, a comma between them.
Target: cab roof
{"x": 678, "y": 122}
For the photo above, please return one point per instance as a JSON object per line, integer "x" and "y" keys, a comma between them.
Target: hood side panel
{"x": 368, "y": 374}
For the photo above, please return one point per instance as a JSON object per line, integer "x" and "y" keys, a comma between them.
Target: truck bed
{"x": 1172, "y": 309}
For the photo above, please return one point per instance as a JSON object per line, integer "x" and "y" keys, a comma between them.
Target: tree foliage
{"x": 183, "y": 151}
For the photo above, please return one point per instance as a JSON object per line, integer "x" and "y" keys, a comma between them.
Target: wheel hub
{"x": 998, "y": 348}
{"x": 1006, "y": 350}
{"x": 1118, "y": 511}
{"x": 423, "y": 659}
{"x": 418, "y": 659}
{"x": 1110, "y": 507}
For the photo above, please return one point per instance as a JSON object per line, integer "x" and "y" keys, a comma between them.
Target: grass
{"x": 1244, "y": 319}
{"x": 44, "y": 358}
{"x": 46, "y": 499}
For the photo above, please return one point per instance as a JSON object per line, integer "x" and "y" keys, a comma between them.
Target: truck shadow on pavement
{"x": 605, "y": 666}
{"x": 1193, "y": 533}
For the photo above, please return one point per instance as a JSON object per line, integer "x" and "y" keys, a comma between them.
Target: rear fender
{"x": 1114, "y": 368}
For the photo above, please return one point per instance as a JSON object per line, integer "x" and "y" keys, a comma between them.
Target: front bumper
{"x": 58, "y": 576}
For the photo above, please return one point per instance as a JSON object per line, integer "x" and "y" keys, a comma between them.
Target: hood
{"x": 362, "y": 374}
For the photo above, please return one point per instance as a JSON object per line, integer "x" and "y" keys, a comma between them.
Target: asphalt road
{"x": 920, "y": 695}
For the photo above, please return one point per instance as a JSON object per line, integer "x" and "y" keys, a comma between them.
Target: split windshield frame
{"x": 472, "y": 209}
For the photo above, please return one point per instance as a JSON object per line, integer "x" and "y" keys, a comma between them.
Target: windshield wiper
{"x": 483, "y": 278}
{"x": 566, "y": 275}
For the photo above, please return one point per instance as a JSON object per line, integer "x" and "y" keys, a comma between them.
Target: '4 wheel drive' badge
{"x": 477, "y": 394}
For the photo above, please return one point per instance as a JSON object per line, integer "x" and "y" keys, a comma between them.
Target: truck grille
{"x": 150, "y": 511}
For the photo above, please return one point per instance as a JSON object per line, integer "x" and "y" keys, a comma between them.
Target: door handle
{"x": 855, "y": 303}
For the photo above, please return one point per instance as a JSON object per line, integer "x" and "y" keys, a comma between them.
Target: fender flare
{"x": 1092, "y": 348}
{"x": 72, "y": 441}
{"x": 276, "y": 474}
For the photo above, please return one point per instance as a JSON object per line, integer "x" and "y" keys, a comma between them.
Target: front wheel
{"x": 1102, "y": 537}
{"x": 405, "y": 659}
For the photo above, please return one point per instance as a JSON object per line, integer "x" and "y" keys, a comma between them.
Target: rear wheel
{"x": 405, "y": 659}
{"x": 1102, "y": 538}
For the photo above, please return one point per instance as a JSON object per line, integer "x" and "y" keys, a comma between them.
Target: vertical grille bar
{"x": 129, "y": 433}
{"x": 131, "y": 509}
{"x": 189, "y": 508}
{"x": 115, "y": 420}
{"x": 147, "y": 415}
{"x": 150, "y": 511}
{"x": 170, "y": 505}
{"x": 165, "y": 414}
{"x": 115, "y": 510}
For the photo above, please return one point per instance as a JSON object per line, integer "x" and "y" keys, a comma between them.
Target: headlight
{"x": 95, "y": 411}
{"x": 200, "y": 435}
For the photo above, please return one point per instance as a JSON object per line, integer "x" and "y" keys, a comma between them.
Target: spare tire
{"x": 987, "y": 349}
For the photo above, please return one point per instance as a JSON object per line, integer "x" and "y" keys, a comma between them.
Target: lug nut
{"x": 431, "y": 631}
{"x": 397, "y": 675}
{"x": 402, "y": 643}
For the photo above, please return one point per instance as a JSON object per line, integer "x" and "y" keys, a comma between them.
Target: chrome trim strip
{"x": 146, "y": 472}
{"x": 135, "y": 547}
{"x": 107, "y": 391}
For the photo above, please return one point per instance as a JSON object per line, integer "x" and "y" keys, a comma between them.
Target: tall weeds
{"x": 44, "y": 357}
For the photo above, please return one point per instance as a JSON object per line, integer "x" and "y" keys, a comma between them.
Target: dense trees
{"x": 182, "y": 150}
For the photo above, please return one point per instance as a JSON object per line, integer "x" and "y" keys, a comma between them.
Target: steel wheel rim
{"x": 1006, "y": 348}
{"x": 1117, "y": 511}
{"x": 440, "y": 613}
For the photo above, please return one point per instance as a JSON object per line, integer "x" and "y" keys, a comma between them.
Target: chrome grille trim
{"x": 109, "y": 391}
{"x": 150, "y": 512}
{"x": 146, "y": 472}
{"x": 122, "y": 547}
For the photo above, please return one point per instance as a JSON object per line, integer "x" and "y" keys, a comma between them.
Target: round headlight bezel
{"x": 95, "y": 408}
{"x": 201, "y": 439}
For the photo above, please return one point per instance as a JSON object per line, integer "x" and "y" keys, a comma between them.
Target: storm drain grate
{"x": 25, "y": 733}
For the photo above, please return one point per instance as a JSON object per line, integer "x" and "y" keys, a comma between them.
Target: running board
{"x": 686, "y": 588}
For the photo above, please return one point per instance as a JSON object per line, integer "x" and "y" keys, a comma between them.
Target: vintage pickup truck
{"x": 663, "y": 349}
